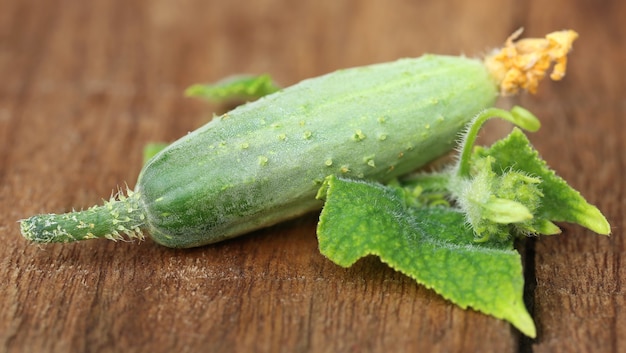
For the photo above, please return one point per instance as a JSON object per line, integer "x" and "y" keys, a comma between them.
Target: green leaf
{"x": 241, "y": 87}
{"x": 151, "y": 149}
{"x": 560, "y": 202}
{"x": 430, "y": 244}
{"x": 500, "y": 210}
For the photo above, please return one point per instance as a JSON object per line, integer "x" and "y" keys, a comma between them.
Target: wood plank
{"x": 86, "y": 84}
{"x": 579, "y": 299}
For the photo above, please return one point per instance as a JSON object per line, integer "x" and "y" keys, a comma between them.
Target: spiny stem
{"x": 113, "y": 220}
{"x": 518, "y": 116}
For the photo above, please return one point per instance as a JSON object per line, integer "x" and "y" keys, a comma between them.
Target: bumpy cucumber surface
{"x": 263, "y": 162}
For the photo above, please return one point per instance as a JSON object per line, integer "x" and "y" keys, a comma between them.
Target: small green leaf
{"x": 242, "y": 87}
{"x": 560, "y": 202}
{"x": 541, "y": 226}
{"x": 151, "y": 149}
{"x": 505, "y": 211}
{"x": 432, "y": 245}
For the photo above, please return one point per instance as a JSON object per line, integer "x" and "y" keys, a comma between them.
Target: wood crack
{"x": 530, "y": 284}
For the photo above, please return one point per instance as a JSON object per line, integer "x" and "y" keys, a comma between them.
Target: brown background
{"x": 85, "y": 84}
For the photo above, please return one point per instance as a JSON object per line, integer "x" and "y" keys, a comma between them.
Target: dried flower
{"x": 522, "y": 64}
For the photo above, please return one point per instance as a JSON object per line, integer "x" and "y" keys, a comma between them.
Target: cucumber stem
{"x": 116, "y": 218}
{"x": 518, "y": 116}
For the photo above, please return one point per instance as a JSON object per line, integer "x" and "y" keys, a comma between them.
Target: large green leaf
{"x": 432, "y": 245}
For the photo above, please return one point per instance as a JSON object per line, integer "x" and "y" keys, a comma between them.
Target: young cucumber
{"x": 263, "y": 162}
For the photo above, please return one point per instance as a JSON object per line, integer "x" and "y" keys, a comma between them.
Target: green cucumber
{"x": 263, "y": 162}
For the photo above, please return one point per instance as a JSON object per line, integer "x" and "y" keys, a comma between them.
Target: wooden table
{"x": 85, "y": 84}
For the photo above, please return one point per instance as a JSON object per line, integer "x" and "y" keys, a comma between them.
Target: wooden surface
{"x": 85, "y": 84}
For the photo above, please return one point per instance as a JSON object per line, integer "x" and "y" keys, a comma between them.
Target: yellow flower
{"x": 520, "y": 65}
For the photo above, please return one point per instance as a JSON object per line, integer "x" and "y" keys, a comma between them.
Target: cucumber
{"x": 263, "y": 162}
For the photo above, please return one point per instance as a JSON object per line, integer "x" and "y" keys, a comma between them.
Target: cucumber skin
{"x": 263, "y": 162}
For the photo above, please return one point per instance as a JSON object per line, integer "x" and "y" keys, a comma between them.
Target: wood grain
{"x": 85, "y": 84}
